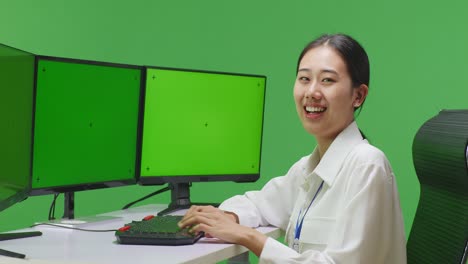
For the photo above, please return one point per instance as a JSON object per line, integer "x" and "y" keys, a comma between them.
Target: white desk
{"x": 58, "y": 245}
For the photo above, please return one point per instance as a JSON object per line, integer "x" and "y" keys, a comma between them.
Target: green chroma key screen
{"x": 16, "y": 112}
{"x": 201, "y": 124}
{"x": 86, "y": 124}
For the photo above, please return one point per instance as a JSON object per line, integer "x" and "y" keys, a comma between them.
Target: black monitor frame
{"x": 20, "y": 192}
{"x": 180, "y": 185}
{"x": 69, "y": 190}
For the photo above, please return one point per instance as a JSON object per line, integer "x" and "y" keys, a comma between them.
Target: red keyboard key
{"x": 124, "y": 228}
{"x": 148, "y": 217}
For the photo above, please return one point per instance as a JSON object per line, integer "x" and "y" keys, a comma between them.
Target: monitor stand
{"x": 69, "y": 220}
{"x": 8, "y": 236}
{"x": 180, "y": 198}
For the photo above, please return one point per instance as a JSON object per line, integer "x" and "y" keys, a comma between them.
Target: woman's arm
{"x": 273, "y": 204}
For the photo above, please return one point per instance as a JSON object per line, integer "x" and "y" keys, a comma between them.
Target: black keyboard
{"x": 156, "y": 230}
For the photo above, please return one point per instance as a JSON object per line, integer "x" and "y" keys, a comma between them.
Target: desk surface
{"x": 73, "y": 246}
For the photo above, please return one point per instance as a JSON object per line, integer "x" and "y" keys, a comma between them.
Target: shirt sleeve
{"x": 272, "y": 205}
{"x": 361, "y": 230}
{"x": 371, "y": 223}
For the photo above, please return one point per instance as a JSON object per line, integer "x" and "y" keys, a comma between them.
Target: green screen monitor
{"x": 200, "y": 126}
{"x": 16, "y": 118}
{"x": 86, "y": 125}
{"x": 16, "y": 114}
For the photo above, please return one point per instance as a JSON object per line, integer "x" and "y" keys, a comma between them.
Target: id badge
{"x": 296, "y": 245}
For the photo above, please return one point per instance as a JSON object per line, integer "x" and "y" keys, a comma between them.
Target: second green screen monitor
{"x": 86, "y": 125}
{"x": 201, "y": 126}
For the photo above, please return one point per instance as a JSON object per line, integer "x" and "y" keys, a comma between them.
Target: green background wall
{"x": 418, "y": 53}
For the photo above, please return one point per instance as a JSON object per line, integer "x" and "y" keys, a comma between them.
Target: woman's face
{"x": 323, "y": 92}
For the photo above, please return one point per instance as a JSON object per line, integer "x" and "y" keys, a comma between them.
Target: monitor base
{"x": 180, "y": 198}
{"x": 80, "y": 222}
{"x": 8, "y": 236}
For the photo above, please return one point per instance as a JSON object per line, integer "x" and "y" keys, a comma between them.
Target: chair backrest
{"x": 440, "y": 227}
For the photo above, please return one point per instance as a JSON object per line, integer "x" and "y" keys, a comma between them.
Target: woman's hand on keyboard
{"x": 217, "y": 223}
{"x": 197, "y": 215}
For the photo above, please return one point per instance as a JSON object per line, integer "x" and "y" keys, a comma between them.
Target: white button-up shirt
{"x": 356, "y": 217}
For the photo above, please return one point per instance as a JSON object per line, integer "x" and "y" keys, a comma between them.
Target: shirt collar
{"x": 328, "y": 167}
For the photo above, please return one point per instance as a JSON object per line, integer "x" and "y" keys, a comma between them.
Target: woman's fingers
{"x": 196, "y": 218}
{"x": 191, "y": 211}
{"x": 199, "y": 228}
{"x": 195, "y": 208}
{"x": 214, "y": 222}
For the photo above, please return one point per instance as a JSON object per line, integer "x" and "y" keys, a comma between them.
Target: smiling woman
{"x": 326, "y": 92}
{"x": 335, "y": 204}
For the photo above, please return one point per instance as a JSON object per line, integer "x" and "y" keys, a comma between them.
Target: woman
{"x": 338, "y": 205}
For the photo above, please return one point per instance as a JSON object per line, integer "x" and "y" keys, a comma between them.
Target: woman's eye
{"x": 327, "y": 80}
{"x": 303, "y": 79}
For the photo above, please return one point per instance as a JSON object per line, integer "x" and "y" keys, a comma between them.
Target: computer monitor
{"x": 16, "y": 111}
{"x": 200, "y": 126}
{"x": 16, "y": 114}
{"x": 86, "y": 126}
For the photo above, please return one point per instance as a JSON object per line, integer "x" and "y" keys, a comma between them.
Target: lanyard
{"x": 299, "y": 225}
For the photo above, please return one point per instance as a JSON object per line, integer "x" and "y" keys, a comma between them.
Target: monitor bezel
{"x": 172, "y": 179}
{"x": 90, "y": 185}
{"x": 24, "y": 193}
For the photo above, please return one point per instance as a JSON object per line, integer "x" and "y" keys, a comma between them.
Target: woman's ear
{"x": 360, "y": 94}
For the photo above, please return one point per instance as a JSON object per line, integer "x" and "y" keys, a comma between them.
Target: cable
{"x": 52, "y": 207}
{"x": 147, "y": 196}
{"x": 76, "y": 228}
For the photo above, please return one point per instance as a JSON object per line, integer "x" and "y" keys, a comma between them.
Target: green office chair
{"x": 440, "y": 229}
